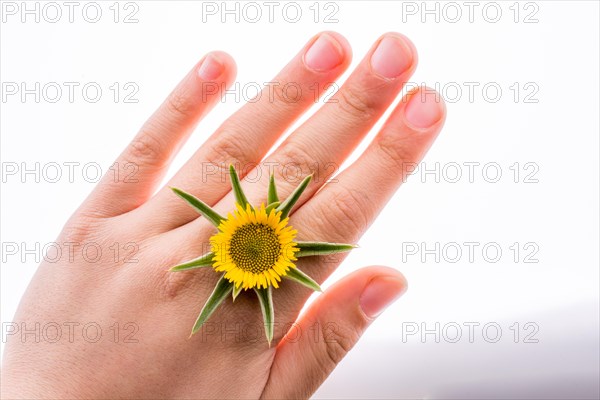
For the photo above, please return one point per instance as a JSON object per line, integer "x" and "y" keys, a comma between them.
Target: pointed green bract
{"x": 272, "y": 195}
{"x": 200, "y": 206}
{"x": 271, "y": 207}
{"x": 287, "y": 205}
{"x": 296, "y": 275}
{"x": 221, "y": 291}
{"x": 240, "y": 197}
{"x": 265, "y": 297}
{"x": 321, "y": 248}
{"x": 236, "y": 291}
{"x": 200, "y": 262}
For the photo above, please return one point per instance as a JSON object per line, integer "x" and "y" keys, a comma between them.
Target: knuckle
{"x": 295, "y": 161}
{"x": 350, "y": 205}
{"x": 145, "y": 149}
{"x": 338, "y": 341}
{"x": 173, "y": 285}
{"x": 179, "y": 104}
{"x": 395, "y": 149}
{"x": 284, "y": 95}
{"x": 357, "y": 103}
{"x": 79, "y": 230}
{"x": 349, "y": 217}
{"x": 167, "y": 285}
{"x": 226, "y": 150}
{"x": 84, "y": 229}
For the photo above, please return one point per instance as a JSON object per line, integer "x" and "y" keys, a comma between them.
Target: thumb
{"x": 330, "y": 327}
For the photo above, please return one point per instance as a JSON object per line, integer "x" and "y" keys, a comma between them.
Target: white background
{"x": 555, "y": 209}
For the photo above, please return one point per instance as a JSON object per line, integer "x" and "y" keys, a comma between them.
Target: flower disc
{"x": 253, "y": 248}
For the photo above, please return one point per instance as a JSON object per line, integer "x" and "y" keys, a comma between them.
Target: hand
{"x": 150, "y": 355}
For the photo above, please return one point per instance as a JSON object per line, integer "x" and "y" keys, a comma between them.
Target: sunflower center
{"x": 254, "y": 247}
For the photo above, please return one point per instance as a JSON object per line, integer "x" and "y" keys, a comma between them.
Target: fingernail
{"x": 391, "y": 57}
{"x": 324, "y": 54}
{"x": 424, "y": 109}
{"x": 380, "y": 293}
{"x": 211, "y": 68}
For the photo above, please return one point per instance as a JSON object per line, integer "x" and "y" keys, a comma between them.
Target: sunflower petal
{"x": 265, "y": 297}
{"x": 236, "y": 291}
{"x": 221, "y": 291}
{"x": 240, "y": 197}
{"x": 287, "y": 205}
{"x": 321, "y": 248}
{"x": 296, "y": 275}
{"x": 202, "y": 261}
{"x": 272, "y": 197}
{"x": 200, "y": 206}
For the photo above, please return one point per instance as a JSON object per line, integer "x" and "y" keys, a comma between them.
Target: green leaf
{"x": 202, "y": 261}
{"x": 240, "y": 197}
{"x": 265, "y": 297}
{"x": 296, "y": 275}
{"x": 321, "y": 248}
{"x": 221, "y": 291}
{"x": 236, "y": 291}
{"x": 287, "y": 205}
{"x": 271, "y": 206}
{"x": 200, "y": 206}
{"x": 272, "y": 196}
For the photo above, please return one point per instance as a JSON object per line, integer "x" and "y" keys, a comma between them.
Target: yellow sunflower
{"x": 254, "y": 248}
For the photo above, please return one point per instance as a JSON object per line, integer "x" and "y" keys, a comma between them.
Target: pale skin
{"x": 165, "y": 363}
